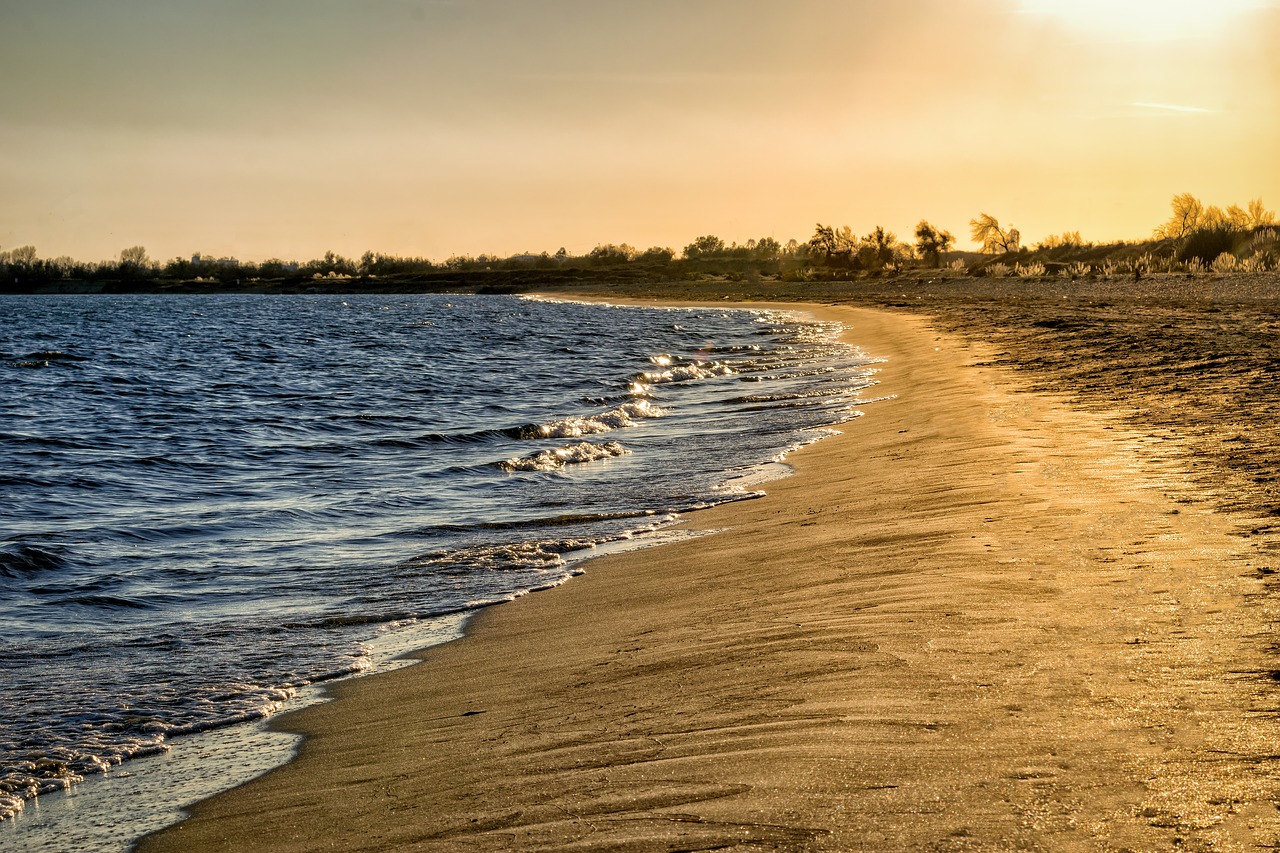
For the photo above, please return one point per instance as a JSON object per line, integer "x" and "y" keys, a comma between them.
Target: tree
{"x": 658, "y": 254}
{"x": 766, "y": 249}
{"x": 1259, "y": 216}
{"x": 610, "y": 255}
{"x": 986, "y": 231}
{"x": 1186, "y": 217}
{"x": 823, "y": 241}
{"x": 275, "y": 268}
{"x": 932, "y": 243}
{"x": 23, "y": 256}
{"x": 64, "y": 266}
{"x": 708, "y": 246}
{"x": 133, "y": 257}
{"x": 834, "y": 244}
{"x": 1068, "y": 239}
{"x": 1237, "y": 218}
{"x": 877, "y": 250}
{"x": 1214, "y": 218}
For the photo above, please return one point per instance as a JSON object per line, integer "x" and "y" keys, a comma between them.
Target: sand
{"x": 979, "y": 619}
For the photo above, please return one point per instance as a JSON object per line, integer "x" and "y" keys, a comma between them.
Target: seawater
{"x": 210, "y": 503}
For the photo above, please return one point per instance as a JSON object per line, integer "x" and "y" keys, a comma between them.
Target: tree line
{"x": 1193, "y": 232}
{"x": 830, "y": 248}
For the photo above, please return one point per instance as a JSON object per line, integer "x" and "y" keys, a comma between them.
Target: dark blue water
{"x": 208, "y": 502}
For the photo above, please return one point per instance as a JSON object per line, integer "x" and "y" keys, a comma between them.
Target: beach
{"x": 982, "y": 617}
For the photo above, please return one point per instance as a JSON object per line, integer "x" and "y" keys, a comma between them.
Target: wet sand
{"x": 981, "y": 618}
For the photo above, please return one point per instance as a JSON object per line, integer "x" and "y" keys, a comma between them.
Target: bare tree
{"x": 1187, "y": 216}
{"x": 22, "y": 256}
{"x": 986, "y": 230}
{"x": 134, "y": 256}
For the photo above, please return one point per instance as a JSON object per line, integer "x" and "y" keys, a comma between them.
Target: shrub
{"x": 1264, "y": 239}
{"x": 998, "y": 270}
{"x": 1032, "y": 270}
{"x": 1208, "y": 244}
{"x": 1224, "y": 263}
{"x": 1256, "y": 263}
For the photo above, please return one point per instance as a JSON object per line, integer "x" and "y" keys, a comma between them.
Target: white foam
{"x": 623, "y": 416}
{"x": 685, "y": 372}
{"x": 570, "y": 454}
{"x": 108, "y": 813}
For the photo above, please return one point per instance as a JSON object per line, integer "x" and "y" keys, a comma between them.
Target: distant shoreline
{"x": 873, "y": 288}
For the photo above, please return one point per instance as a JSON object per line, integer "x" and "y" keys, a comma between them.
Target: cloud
{"x": 1172, "y": 108}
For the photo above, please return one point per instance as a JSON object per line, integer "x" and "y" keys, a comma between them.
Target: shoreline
{"x": 108, "y": 817}
{"x": 938, "y": 676}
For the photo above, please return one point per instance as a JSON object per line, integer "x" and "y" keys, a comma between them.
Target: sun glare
{"x": 1145, "y": 20}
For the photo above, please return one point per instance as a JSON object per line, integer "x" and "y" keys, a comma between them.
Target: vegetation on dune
{"x": 1196, "y": 239}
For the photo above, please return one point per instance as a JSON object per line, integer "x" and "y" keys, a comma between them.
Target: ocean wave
{"x": 565, "y": 520}
{"x": 25, "y": 560}
{"x": 797, "y": 374}
{"x": 679, "y": 370}
{"x": 521, "y": 432}
{"x": 46, "y": 358}
{"x": 541, "y": 554}
{"x": 814, "y": 394}
{"x": 570, "y": 454}
{"x": 623, "y": 416}
{"x": 106, "y": 602}
{"x": 112, "y": 739}
{"x": 55, "y": 441}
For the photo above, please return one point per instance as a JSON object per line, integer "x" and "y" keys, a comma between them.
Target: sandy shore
{"x": 979, "y": 619}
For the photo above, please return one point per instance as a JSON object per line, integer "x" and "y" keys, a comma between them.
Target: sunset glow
{"x": 420, "y": 127}
{"x": 1153, "y": 20}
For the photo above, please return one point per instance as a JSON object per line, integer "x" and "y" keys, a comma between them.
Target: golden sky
{"x": 285, "y": 128}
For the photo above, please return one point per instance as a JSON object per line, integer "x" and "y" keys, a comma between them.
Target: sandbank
{"x": 977, "y": 619}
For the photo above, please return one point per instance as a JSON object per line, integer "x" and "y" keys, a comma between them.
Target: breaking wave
{"x": 621, "y": 417}
{"x": 558, "y": 458}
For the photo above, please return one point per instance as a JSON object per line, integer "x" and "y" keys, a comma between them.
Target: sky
{"x": 288, "y": 128}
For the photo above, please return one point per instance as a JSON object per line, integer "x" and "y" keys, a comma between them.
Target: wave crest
{"x": 25, "y": 560}
{"x": 570, "y": 454}
{"x": 681, "y": 371}
{"x": 623, "y": 416}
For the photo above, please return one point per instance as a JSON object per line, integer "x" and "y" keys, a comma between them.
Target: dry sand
{"x": 979, "y": 619}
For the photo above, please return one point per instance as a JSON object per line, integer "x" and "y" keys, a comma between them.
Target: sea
{"x": 211, "y": 504}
